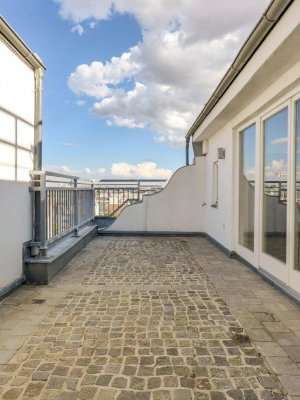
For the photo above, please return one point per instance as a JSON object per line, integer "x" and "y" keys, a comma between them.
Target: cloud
{"x": 277, "y": 170}
{"x": 93, "y": 24}
{"x": 78, "y": 29}
{"x": 280, "y": 140}
{"x": 163, "y": 81}
{"x": 69, "y": 144}
{"x": 118, "y": 170}
{"x": 147, "y": 170}
{"x": 80, "y": 103}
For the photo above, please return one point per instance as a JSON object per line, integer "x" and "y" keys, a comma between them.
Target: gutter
{"x": 7, "y": 32}
{"x": 268, "y": 20}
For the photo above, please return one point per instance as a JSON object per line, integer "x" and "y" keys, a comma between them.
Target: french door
{"x": 269, "y": 193}
{"x": 274, "y": 194}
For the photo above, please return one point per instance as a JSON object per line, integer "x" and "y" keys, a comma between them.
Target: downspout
{"x": 38, "y": 77}
{"x": 187, "y": 148}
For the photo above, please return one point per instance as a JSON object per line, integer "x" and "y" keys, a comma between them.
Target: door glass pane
{"x": 275, "y": 185}
{"x": 247, "y": 187}
{"x": 297, "y": 210}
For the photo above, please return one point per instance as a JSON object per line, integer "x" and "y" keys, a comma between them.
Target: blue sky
{"x": 137, "y": 127}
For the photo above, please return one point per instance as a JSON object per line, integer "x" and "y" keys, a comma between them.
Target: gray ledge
{"x": 42, "y": 270}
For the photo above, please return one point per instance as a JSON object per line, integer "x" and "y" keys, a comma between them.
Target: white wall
{"x": 177, "y": 208}
{"x": 16, "y": 160}
{"x": 219, "y": 219}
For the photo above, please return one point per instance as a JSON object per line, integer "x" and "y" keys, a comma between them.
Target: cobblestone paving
{"x": 137, "y": 319}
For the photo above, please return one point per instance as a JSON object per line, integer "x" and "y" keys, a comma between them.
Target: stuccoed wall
{"x": 177, "y": 208}
{"x": 16, "y": 160}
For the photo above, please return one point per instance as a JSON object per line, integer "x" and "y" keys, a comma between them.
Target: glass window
{"x": 275, "y": 185}
{"x": 297, "y": 197}
{"x": 247, "y": 187}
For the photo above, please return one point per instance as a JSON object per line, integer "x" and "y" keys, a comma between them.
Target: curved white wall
{"x": 177, "y": 208}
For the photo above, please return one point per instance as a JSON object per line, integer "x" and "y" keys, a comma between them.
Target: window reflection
{"x": 275, "y": 185}
{"x": 247, "y": 187}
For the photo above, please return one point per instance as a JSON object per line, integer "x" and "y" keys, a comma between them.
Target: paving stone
{"x": 291, "y": 384}
{"x": 182, "y": 394}
{"x": 87, "y": 393}
{"x": 104, "y": 380}
{"x": 34, "y": 389}
{"x": 137, "y": 383}
{"x": 106, "y": 394}
{"x": 12, "y": 394}
{"x": 40, "y": 376}
{"x": 283, "y": 366}
{"x": 119, "y": 382}
{"x": 161, "y": 395}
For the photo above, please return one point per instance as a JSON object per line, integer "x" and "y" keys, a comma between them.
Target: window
{"x": 297, "y": 189}
{"x": 247, "y": 187}
{"x": 215, "y": 187}
{"x": 275, "y": 185}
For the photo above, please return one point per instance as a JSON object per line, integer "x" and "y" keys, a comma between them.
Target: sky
{"x": 126, "y": 79}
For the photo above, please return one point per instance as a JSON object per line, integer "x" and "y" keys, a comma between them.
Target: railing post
{"x": 42, "y": 216}
{"x": 93, "y": 200}
{"x": 75, "y": 205}
{"x": 139, "y": 192}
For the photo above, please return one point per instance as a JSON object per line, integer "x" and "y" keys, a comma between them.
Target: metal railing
{"x": 112, "y": 196}
{"x": 61, "y": 204}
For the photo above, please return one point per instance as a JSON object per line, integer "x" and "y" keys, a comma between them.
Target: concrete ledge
{"x": 148, "y": 233}
{"x": 42, "y": 270}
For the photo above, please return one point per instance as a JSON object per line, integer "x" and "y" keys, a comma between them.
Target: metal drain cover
{"x": 38, "y": 301}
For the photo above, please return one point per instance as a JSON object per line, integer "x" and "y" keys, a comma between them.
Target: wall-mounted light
{"x": 221, "y": 153}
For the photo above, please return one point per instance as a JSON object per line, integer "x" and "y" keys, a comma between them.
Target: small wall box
{"x": 221, "y": 153}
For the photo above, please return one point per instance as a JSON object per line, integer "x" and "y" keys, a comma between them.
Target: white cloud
{"x": 93, "y": 24}
{"x": 118, "y": 170}
{"x": 78, "y": 29}
{"x": 147, "y": 170}
{"x": 280, "y": 140}
{"x": 69, "y": 144}
{"x": 186, "y": 47}
{"x": 277, "y": 170}
{"x": 80, "y": 103}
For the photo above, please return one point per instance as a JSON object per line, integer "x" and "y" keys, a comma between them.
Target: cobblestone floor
{"x": 150, "y": 319}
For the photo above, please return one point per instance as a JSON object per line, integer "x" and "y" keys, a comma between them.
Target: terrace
{"x": 150, "y": 318}
{"x": 142, "y": 290}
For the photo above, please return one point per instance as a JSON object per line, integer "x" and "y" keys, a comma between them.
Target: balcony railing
{"x": 112, "y": 196}
{"x": 61, "y": 204}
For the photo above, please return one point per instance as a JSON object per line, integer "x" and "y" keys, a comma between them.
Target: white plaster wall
{"x": 16, "y": 160}
{"x": 219, "y": 219}
{"x": 177, "y": 208}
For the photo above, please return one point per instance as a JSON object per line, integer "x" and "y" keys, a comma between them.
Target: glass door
{"x": 247, "y": 187}
{"x": 274, "y": 194}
